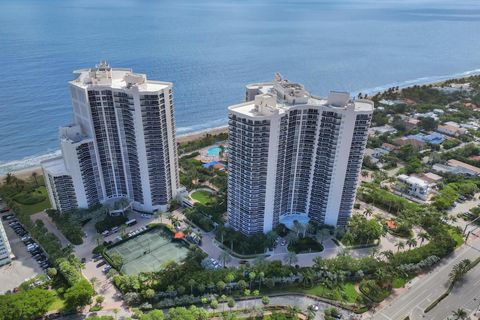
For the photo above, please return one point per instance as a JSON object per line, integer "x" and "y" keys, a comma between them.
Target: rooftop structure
{"x": 451, "y": 130}
{"x": 464, "y": 167}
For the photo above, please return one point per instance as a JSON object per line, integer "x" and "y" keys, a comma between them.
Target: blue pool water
{"x": 210, "y": 49}
{"x": 214, "y": 151}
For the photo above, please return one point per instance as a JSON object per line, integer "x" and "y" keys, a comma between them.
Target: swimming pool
{"x": 214, "y": 151}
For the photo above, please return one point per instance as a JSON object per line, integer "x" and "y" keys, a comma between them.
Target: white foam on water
{"x": 417, "y": 81}
{"x": 34, "y": 161}
{"x": 27, "y": 162}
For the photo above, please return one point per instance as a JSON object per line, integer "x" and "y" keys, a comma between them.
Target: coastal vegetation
{"x": 205, "y": 141}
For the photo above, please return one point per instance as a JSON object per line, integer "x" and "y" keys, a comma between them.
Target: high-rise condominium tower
{"x": 294, "y": 156}
{"x": 5, "y": 250}
{"x": 121, "y": 143}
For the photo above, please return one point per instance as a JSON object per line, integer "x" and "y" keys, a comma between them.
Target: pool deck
{"x": 205, "y": 157}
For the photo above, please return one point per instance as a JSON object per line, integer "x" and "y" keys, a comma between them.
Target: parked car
{"x": 102, "y": 263}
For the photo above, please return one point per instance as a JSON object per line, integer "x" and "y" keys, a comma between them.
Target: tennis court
{"x": 148, "y": 252}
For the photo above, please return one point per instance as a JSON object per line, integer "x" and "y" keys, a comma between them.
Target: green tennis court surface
{"x": 148, "y": 252}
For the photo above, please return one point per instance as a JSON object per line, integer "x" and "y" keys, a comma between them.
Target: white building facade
{"x": 413, "y": 186}
{"x": 121, "y": 143}
{"x": 293, "y": 156}
{"x": 5, "y": 250}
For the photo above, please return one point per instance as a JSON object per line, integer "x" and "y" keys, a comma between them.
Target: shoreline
{"x": 27, "y": 172}
{"x": 187, "y": 137}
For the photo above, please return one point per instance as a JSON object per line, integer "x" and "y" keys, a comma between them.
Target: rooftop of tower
{"x": 117, "y": 78}
{"x": 55, "y": 166}
{"x": 278, "y": 96}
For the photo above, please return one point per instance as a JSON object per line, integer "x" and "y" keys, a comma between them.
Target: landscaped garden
{"x": 203, "y": 196}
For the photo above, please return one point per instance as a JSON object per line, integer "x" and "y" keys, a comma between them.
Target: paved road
{"x": 425, "y": 289}
{"x": 299, "y": 301}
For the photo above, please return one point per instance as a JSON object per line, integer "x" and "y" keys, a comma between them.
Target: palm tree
{"x": 291, "y": 238}
{"x": 34, "y": 176}
{"x": 270, "y": 236}
{"x": 458, "y": 271}
{"x": 368, "y": 211}
{"x": 224, "y": 258}
{"x": 252, "y": 275}
{"x": 191, "y": 283}
{"x": 260, "y": 277}
{"x": 93, "y": 281}
{"x": 97, "y": 237}
{"x": 9, "y": 178}
{"x": 291, "y": 258}
{"x": 115, "y": 311}
{"x": 460, "y": 314}
{"x": 158, "y": 214}
{"x": 297, "y": 227}
{"x": 411, "y": 242}
{"x": 400, "y": 245}
{"x": 423, "y": 236}
{"x": 123, "y": 230}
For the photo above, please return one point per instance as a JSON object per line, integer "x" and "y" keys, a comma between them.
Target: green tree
{"x": 400, "y": 245}
{"x": 149, "y": 294}
{"x": 153, "y": 315}
{"x": 224, "y": 258}
{"x": 79, "y": 295}
{"x": 34, "y": 176}
{"x": 423, "y": 236}
{"x": 251, "y": 276}
{"x": 458, "y": 272}
{"x": 231, "y": 303}
{"x": 220, "y": 286}
{"x": 460, "y": 314}
{"x": 411, "y": 242}
{"x": 362, "y": 230}
{"x": 241, "y": 285}
{"x": 291, "y": 258}
{"x": 191, "y": 283}
{"x": 25, "y": 305}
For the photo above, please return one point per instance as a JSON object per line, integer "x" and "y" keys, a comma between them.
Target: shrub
{"x": 109, "y": 222}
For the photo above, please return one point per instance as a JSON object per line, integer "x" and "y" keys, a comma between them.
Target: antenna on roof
{"x": 103, "y": 65}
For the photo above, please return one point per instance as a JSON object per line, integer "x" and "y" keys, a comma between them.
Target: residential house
{"x": 412, "y": 186}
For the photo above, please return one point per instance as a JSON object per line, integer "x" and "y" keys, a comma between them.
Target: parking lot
{"x": 23, "y": 266}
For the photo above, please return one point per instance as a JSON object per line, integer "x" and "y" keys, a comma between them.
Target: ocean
{"x": 210, "y": 49}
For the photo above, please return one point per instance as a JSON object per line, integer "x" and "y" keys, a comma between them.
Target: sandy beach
{"x": 27, "y": 173}
{"x": 201, "y": 134}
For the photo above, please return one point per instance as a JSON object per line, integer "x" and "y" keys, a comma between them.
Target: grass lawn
{"x": 458, "y": 237}
{"x": 57, "y": 304}
{"x": 398, "y": 282}
{"x": 204, "y": 197}
{"x": 37, "y": 207}
{"x": 345, "y": 293}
